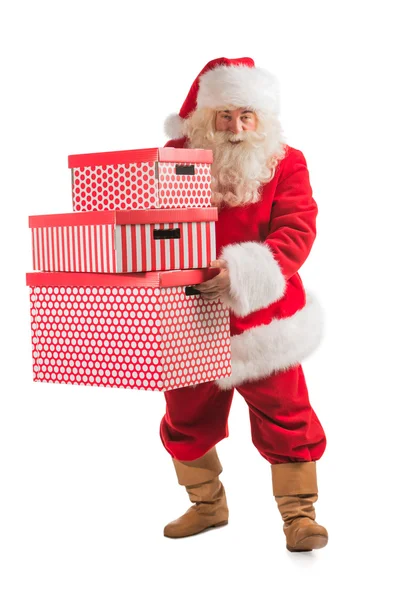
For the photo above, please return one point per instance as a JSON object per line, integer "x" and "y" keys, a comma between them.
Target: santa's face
{"x": 239, "y": 160}
{"x": 245, "y": 148}
{"x": 235, "y": 121}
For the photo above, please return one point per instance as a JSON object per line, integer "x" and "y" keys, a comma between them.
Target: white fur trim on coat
{"x": 239, "y": 86}
{"x": 256, "y": 280}
{"x": 173, "y": 126}
{"x": 263, "y": 350}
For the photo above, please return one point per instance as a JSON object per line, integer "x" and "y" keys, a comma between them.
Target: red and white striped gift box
{"x": 124, "y": 241}
{"x": 142, "y": 331}
{"x": 141, "y": 179}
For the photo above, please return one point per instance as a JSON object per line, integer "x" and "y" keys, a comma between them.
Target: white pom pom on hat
{"x": 227, "y": 82}
{"x": 174, "y": 126}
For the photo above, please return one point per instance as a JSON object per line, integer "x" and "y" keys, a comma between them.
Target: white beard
{"x": 239, "y": 169}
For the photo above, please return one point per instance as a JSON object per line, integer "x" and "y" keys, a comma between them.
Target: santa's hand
{"x": 214, "y": 288}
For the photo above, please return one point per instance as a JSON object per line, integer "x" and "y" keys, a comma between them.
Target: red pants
{"x": 284, "y": 426}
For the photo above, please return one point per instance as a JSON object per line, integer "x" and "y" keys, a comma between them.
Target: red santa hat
{"x": 227, "y": 82}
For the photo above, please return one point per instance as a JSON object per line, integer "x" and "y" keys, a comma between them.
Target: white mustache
{"x": 230, "y": 137}
{"x": 251, "y": 137}
{"x": 238, "y": 137}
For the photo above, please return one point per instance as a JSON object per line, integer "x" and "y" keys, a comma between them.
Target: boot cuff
{"x": 293, "y": 479}
{"x": 198, "y": 471}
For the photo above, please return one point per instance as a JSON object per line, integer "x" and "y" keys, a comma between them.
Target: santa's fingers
{"x": 202, "y": 287}
{"x": 206, "y": 289}
{"x": 212, "y": 284}
{"x": 219, "y": 264}
{"x": 213, "y": 294}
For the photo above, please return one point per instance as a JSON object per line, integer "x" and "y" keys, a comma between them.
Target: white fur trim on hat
{"x": 284, "y": 343}
{"x": 239, "y": 86}
{"x": 173, "y": 126}
{"x": 256, "y": 280}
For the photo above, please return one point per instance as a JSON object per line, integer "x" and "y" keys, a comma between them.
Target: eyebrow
{"x": 243, "y": 112}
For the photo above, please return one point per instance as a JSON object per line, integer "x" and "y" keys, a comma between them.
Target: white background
{"x": 86, "y": 485}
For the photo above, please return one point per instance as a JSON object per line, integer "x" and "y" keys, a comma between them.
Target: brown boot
{"x": 295, "y": 490}
{"x": 206, "y": 491}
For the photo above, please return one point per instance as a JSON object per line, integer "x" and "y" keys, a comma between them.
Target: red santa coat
{"x": 274, "y": 324}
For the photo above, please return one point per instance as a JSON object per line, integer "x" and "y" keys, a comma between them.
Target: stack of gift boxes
{"x": 112, "y": 302}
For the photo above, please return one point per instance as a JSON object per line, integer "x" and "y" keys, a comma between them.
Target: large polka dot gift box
{"x": 144, "y": 331}
{"x": 124, "y": 241}
{"x": 141, "y": 179}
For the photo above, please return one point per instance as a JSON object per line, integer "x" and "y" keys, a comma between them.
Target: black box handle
{"x": 185, "y": 169}
{"x": 167, "y": 234}
{"x": 190, "y": 291}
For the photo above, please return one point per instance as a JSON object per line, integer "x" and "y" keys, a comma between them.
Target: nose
{"x": 236, "y": 125}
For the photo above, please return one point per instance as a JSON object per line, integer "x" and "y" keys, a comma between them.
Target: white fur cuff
{"x": 256, "y": 280}
{"x": 267, "y": 349}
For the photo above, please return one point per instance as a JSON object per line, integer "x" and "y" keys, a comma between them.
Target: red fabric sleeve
{"x": 176, "y": 143}
{"x": 292, "y": 227}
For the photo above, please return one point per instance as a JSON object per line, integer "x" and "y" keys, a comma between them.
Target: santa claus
{"x": 264, "y": 233}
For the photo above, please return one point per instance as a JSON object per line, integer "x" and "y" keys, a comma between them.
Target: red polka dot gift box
{"x": 145, "y": 331}
{"x": 124, "y": 241}
{"x": 141, "y": 179}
